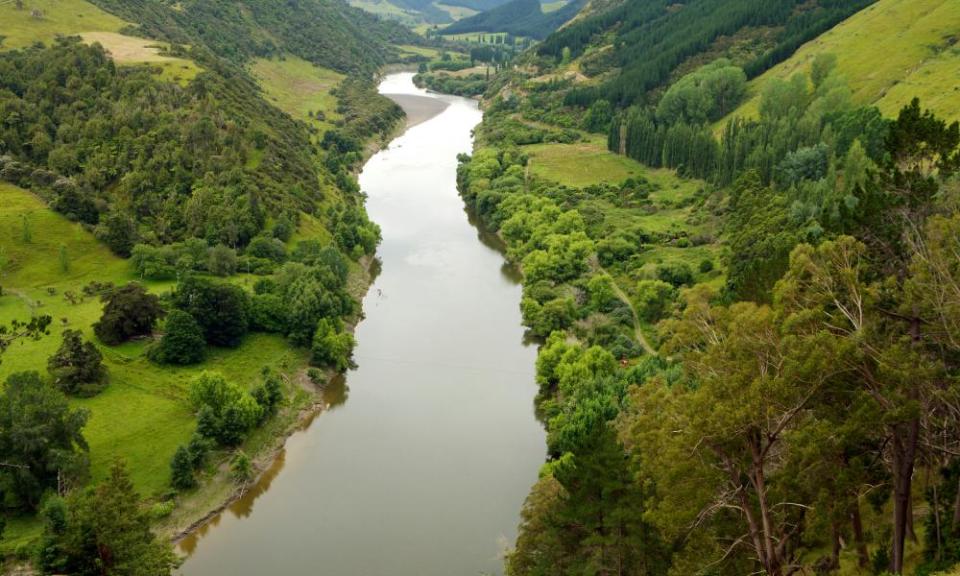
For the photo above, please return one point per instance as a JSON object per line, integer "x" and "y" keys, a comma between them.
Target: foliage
{"x": 181, "y": 470}
{"x": 226, "y": 412}
{"x": 40, "y": 440}
{"x": 77, "y": 367}
{"x": 182, "y": 342}
{"x": 332, "y": 347}
{"x": 221, "y": 310}
{"x": 519, "y": 18}
{"x": 103, "y": 530}
{"x": 130, "y": 311}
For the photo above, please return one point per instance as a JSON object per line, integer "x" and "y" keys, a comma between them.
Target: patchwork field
{"x": 890, "y": 52}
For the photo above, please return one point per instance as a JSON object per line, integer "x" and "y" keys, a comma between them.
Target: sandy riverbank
{"x": 418, "y": 108}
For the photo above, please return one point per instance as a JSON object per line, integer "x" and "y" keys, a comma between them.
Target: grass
{"x": 889, "y": 52}
{"x": 298, "y": 88}
{"x": 411, "y": 50}
{"x": 456, "y": 12}
{"x": 60, "y": 17}
{"x": 385, "y": 9}
{"x": 582, "y": 163}
{"x": 143, "y": 414}
{"x": 129, "y": 50}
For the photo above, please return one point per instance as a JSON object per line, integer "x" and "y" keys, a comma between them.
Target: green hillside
{"x": 890, "y": 52}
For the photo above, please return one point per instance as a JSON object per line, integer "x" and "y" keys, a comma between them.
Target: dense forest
{"x": 653, "y": 38}
{"x": 523, "y": 18}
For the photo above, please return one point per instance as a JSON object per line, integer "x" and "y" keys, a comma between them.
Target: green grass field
{"x": 60, "y": 17}
{"x": 298, "y": 88}
{"x": 456, "y": 12}
{"x": 143, "y": 414}
{"x": 582, "y": 163}
{"x": 889, "y": 53}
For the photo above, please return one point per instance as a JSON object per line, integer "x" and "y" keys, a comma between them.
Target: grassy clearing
{"x": 581, "y": 164}
{"x": 60, "y": 17}
{"x": 889, "y": 52}
{"x": 299, "y": 88}
{"x": 130, "y": 50}
{"x": 411, "y": 50}
{"x": 387, "y": 10}
{"x": 456, "y": 12}
{"x": 143, "y": 415}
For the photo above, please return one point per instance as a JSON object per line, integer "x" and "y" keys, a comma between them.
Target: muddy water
{"x": 422, "y": 465}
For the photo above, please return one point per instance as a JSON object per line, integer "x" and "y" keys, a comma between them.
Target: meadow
{"x": 143, "y": 415}
{"x": 299, "y": 88}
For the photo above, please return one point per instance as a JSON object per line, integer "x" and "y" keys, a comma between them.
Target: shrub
{"x": 222, "y": 261}
{"x": 77, "y": 367}
{"x": 130, "y": 311}
{"x": 332, "y": 348}
{"x": 227, "y": 412}
{"x": 182, "y": 343}
{"x": 654, "y": 297}
{"x": 706, "y": 266}
{"x": 181, "y": 470}
{"x": 675, "y": 273}
{"x": 221, "y": 310}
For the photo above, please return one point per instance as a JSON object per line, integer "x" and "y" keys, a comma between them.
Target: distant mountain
{"x": 518, "y": 17}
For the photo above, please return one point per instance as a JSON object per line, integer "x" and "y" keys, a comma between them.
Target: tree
{"x": 119, "y": 233}
{"x": 241, "y": 468}
{"x": 332, "y": 347}
{"x": 182, "y": 342}
{"x": 269, "y": 395}
{"x": 41, "y": 440}
{"x": 221, "y": 310}
{"x": 226, "y": 412}
{"x": 222, "y": 261}
{"x": 654, "y": 299}
{"x": 77, "y": 367}
{"x": 106, "y": 532}
{"x": 130, "y": 311}
{"x": 181, "y": 470}
{"x": 34, "y": 329}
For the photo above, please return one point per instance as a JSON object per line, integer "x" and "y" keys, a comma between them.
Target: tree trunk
{"x": 863, "y": 557}
{"x": 956, "y": 509}
{"x": 904, "y": 448}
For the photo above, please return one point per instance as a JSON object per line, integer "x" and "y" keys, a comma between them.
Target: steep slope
{"x": 519, "y": 18}
{"x": 917, "y": 56}
{"x": 638, "y": 46}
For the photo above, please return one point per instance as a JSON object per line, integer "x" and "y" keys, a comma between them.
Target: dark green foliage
{"x": 222, "y": 261}
{"x": 518, "y": 17}
{"x": 221, "y": 310}
{"x": 104, "y": 531}
{"x": 40, "y": 439}
{"x": 181, "y": 470}
{"x": 651, "y": 39}
{"x": 269, "y": 395}
{"x": 119, "y": 233}
{"x": 675, "y": 273}
{"x": 130, "y": 311}
{"x": 77, "y": 367}
{"x": 182, "y": 342}
{"x": 180, "y": 154}
{"x": 268, "y": 248}
{"x": 330, "y": 34}
{"x": 268, "y": 313}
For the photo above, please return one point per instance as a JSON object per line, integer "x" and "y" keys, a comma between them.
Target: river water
{"x": 421, "y": 466}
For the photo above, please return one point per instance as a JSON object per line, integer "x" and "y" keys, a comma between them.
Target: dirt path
{"x": 637, "y": 330}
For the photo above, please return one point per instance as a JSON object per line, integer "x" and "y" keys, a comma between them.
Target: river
{"x": 421, "y": 466}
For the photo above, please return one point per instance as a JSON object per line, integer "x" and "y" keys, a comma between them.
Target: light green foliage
{"x": 332, "y": 347}
{"x": 226, "y": 412}
{"x": 705, "y": 95}
{"x": 654, "y": 299}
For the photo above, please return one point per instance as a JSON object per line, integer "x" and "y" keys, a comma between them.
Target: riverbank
{"x": 205, "y": 505}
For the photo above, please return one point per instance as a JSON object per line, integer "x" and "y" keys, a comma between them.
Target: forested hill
{"x": 637, "y": 46}
{"x": 519, "y": 18}
{"x": 748, "y": 320}
{"x": 326, "y": 32}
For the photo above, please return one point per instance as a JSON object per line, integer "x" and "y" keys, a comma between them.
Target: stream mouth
{"x": 422, "y": 466}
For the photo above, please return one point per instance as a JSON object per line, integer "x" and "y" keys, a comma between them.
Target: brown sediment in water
{"x": 419, "y": 109}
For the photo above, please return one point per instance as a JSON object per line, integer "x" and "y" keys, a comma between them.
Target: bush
{"x": 221, "y": 310}
{"x": 222, "y": 261}
{"x": 706, "y": 266}
{"x": 182, "y": 343}
{"x": 227, "y": 412}
{"x": 332, "y": 348}
{"x": 77, "y": 367}
{"x": 267, "y": 248}
{"x": 268, "y": 313}
{"x": 129, "y": 312}
{"x": 181, "y": 470}
{"x": 654, "y": 298}
{"x": 269, "y": 395}
{"x": 675, "y": 273}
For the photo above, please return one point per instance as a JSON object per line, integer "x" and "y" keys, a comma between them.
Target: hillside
{"x": 653, "y": 40}
{"x": 918, "y": 57}
{"x": 715, "y": 296}
{"x": 214, "y": 142}
{"x": 525, "y": 18}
